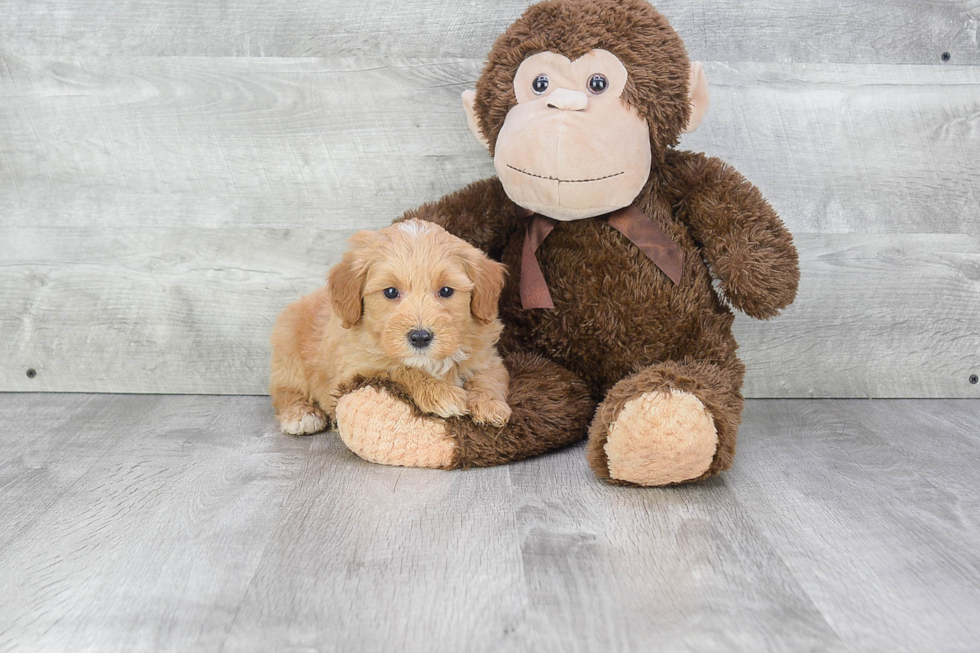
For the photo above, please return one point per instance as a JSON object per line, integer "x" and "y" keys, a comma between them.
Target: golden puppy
{"x": 410, "y": 302}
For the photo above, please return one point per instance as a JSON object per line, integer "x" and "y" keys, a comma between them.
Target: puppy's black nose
{"x": 420, "y": 338}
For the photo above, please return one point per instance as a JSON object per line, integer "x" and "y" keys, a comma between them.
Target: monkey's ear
{"x": 469, "y": 103}
{"x": 697, "y": 93}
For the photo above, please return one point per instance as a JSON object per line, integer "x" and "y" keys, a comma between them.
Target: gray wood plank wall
{"x": 172, "y": 174}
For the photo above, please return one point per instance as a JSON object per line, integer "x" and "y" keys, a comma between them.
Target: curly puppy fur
{"x": 620, "y": 328}
{"x": 442, "y": 287}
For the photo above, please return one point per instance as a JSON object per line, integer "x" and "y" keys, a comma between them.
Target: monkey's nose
{"x": 566, "y": 100}
{"x": 420, "y": 338}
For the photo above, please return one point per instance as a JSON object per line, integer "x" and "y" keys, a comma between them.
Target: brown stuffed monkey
{"x": 615, "y": 242}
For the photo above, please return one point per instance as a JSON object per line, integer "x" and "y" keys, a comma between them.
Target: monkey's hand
{"x": 746, "y": 244}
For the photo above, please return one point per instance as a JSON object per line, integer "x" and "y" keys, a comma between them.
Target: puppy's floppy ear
{"x": 487, "y": 276}
{"x": 346, "y": 279}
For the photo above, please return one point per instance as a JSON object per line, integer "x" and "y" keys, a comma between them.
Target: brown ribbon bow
{"x": 629, "y": 221}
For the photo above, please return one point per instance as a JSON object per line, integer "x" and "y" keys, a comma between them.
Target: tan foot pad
{"x": 660, "y": 438}
{"x": 383, "y": 429}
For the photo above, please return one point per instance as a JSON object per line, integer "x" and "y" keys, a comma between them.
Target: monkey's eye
{"x": 446, "y": 291}
{"x": 598, "y": 83}
{"x": 540, "y": 84}
{"x": 390, "y": 293}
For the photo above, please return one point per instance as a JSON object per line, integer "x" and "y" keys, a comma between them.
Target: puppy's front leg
{"x": 297, "y": 415}
{"x": 487, "y": 395}
{"x": 430, "y": 394}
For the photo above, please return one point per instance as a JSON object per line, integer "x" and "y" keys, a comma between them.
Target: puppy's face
{"x": 420, "y": 291}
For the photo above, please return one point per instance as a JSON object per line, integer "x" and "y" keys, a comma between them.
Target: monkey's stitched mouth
{"x": 566, "y": 181}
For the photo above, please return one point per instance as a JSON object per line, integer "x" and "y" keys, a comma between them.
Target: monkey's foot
{"x": 660, "y": 438}
{"x": 383, "y": 428}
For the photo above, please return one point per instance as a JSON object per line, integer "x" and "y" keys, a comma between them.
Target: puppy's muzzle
{"x": 420, "y": 338}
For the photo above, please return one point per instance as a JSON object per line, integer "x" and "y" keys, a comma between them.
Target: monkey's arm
{"x": 481, "y": 214}
{"x": 744, "y": 241}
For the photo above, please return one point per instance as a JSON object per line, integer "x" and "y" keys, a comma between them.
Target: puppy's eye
{"x": 390, "y": 293}
{"x": 598, "y": 83}
{"x": 446, "y": 291}
{"x": 540, "y": 84}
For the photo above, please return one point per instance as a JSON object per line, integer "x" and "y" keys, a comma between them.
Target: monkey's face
{"x": 571, "y": 147}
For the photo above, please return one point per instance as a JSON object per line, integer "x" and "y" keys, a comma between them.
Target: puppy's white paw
{"x": 441, "y": 399}
{"x": 302, "y": 420}
{"x": 488, "y": 410}
{"x": 449, "y": 410}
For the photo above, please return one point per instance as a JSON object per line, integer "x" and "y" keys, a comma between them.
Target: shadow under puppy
{"x": 410, "y": 302}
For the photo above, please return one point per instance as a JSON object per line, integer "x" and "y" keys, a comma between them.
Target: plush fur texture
{"x": 622, "y": 335}
{"x": 409, "y": 439}
{"x": 659, "y": 69}
{"x": 352, "y": 328}
{"x": 659, "y": 438}
{"x": 549, "y": 160}
{"x": 551, "y": 409}
{"x": 716, "y": 387}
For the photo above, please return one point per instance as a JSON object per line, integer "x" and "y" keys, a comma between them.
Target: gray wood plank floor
{"x": 186, "y": 523}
